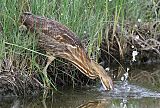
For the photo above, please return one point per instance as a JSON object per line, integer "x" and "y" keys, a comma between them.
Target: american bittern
{"x": 58, "y": 41}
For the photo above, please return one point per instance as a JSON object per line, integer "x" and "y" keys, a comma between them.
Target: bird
{"x": 59, "y": 41}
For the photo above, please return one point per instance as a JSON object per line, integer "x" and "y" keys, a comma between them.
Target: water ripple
{"x": 126, "y": 90}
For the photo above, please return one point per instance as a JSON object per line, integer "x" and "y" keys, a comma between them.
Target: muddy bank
{"x": 17, "y": 82}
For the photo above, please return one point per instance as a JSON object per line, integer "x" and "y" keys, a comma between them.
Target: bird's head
{"x": 33, "y": 22}
{"x": 27, "y": 19}
{"x": 103, "y": 76}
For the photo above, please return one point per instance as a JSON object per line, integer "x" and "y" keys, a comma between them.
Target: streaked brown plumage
{"x": 58, "y": 41}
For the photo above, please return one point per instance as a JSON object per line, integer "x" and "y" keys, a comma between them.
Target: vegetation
{"x": 102, "y": 26}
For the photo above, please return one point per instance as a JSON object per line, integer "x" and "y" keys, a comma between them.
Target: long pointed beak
{"x": 103, "y": 76}
{"x": 107, "y": 83}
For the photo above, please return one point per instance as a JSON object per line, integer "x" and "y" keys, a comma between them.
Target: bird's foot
{"x": 45, "y": 93}
{"x": 46, "y": 86}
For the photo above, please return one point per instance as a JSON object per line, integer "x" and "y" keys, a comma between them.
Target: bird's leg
{"x": 46, "y": 80}
{"x": 49, "y": 61}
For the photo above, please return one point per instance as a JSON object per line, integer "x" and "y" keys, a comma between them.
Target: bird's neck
{"x": 81, "y": 60}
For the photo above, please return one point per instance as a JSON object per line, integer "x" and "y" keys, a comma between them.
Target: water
{"x": 136, "y": 97}
{"x": 124, "y": 95}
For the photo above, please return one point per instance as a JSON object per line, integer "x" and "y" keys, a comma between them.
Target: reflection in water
{"x": 124, "y": 95}
{"x": 84, "y": 103}
{"x": 95, "y": 104}
{"x": 16, "y": 104}
{"x": 84, "y": 99}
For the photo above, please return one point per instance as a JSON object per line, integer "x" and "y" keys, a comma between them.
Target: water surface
{"x": 126, "y": 94}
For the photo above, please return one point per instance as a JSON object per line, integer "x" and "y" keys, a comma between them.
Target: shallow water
{"x": 140, "y": 98}
{"x": 124, "y": 95}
